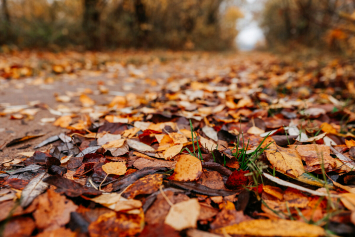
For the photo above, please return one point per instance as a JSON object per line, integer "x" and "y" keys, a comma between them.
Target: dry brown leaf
{"x": 117, "y": 168}
{"x": 183, "y": 215}
{"x": 188, "y": 168}
{"x": 53, "y": 210}
{"x": 139, "y": 146}
{"x": 178, "y": 138}
{"x": 255, "y": 130}
{"x": 273, "y": 228}
{"x": 208, "y": 144}
{"x": 348, "y": 200}
{"x": 210, "y": 132}
{"x": 286, "y": 160}
{"x": 120, "y": 223}
{"x": 116, "y": 202}
{"x": 145, "y": 185}
{"x": 313, "y": 154}
{"x": 144, "y": 162}
{"x": 105, "y": 138}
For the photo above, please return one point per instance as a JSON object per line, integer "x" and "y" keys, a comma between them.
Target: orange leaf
{"x": 117, "y": 168}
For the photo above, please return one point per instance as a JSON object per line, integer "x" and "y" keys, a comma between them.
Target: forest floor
{"x": 176, "y": 144}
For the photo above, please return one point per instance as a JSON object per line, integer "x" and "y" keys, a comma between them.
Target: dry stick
{"x": 103, "y": 182}
{"x": 166, "y": 198}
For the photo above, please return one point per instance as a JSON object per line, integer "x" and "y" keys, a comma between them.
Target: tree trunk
{"x": 142, "y": 20}
{"x": 5, "y": 11}
{"x": 91, "y": 23}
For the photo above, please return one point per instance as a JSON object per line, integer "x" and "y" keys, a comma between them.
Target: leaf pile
{"x": 263, "y": 149}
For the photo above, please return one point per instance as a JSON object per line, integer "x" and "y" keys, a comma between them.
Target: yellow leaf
{"x": 326, "y": 127}
{"x": 286, "y": 161}
{"x": 130, "y": 132}
{"x": 350, "y": 143}
{"x": 172, "y": 151}
{"x": 278, "y": 227}
{"x": 63, "y": 121}
{"x": 86, "y": 100}
{"x": 117, "y": 168}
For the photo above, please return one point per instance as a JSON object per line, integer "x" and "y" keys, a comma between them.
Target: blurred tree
{"x": 91, "y": 23}
{"x": 99, "y": 24}
{"x": 323, "y": 24}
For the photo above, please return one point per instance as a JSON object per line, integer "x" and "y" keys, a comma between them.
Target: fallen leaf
{"x": 53, "y": 210}
{"x": 63, "y": 121}
{"x": 208, "y": 144}
{"x": 183, "y": 215}
{"x": 34, "y": 188}
{"x": 178, "y": 138}
{"x": 130, "y": 132}
{"x": 228, "y": 216}
{"x": 86, "y": 100}
{"x": 210, "y": 132}
{"x": 143, "y": 162}
{"x": 188, "y": 168}
{"x": 57, "y": 233}
{"x": 117, "y": 168}
{"x": 145, "y": 185}
{"x": 255, "y": 130}
{"x": 139, "y": 146}
{"x": 291, "y": 185}
{"x": 19, "y": 227}
{"x": 117, "y": 224}
{"x": 116, "y": 202}
{"x": 272, "y": 228}
{"x": 114, "y": 144}
{"x": 172, "y": 151}
{"x": 69, "y": 187}
{"x": 22, "y": 139}
{"x": 348, "y": 200}
{"x": 285, "y": 160}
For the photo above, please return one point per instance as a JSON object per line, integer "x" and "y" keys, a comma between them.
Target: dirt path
{"x": 118, "y": 78}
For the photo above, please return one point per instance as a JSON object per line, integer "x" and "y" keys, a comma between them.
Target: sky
{"x": 249, "y": 31}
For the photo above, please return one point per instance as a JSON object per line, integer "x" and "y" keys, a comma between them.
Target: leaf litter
{"x": 236, "y": 152}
